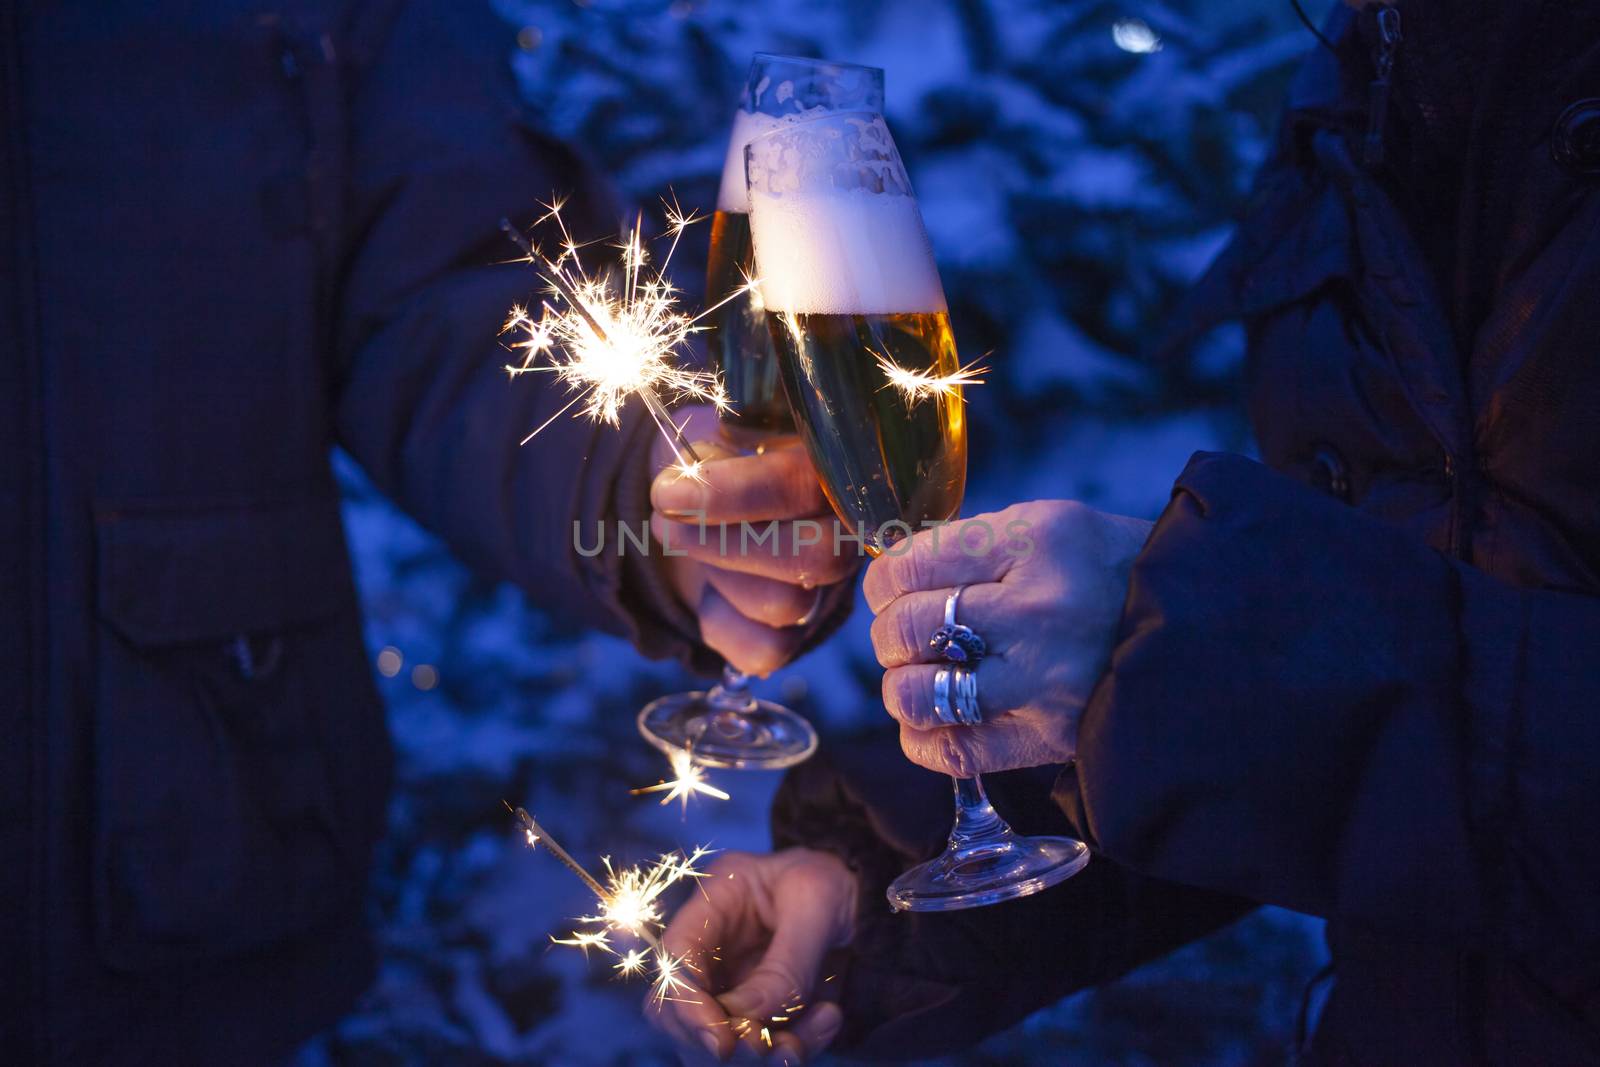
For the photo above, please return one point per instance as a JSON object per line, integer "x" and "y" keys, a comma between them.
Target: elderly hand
{"x": 753, "y": 593}
{"x": 755, "y": 937}
{"x": 1046, "y": 584}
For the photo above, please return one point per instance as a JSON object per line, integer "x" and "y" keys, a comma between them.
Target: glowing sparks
{"x": 669, "y": 982}
{"x": 586, "y": 940}
{"x": 759, "y": 1030}
{"x": 918, "y": 385}
{"x": 632, "y": 962}
{"x": 688, "y": 779}
{"x": 611, "y": 339}
{"x": 629, "y": 903}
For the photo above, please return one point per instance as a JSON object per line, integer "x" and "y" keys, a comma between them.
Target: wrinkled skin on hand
{"x": 1045, "y": 591}
{"x": 754, "y": 605}
{"x": 756, "y": 936}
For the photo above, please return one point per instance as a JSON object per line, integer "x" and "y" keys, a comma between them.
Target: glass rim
{"x": 811, "y": 61}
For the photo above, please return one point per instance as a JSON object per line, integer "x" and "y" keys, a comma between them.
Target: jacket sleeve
{"x": 439, "y": 150}
{"x": 916, "y": 986}
{"x": 1309, "y": 707}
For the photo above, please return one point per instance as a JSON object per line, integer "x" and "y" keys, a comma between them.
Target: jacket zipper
{"x": 1389, "y": 38}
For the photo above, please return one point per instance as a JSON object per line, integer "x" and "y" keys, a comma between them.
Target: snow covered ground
{"x": 1072, "y": 189}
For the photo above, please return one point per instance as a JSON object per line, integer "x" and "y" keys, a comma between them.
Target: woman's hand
{"x": 1046, "y": 580}
{"x": 753, "y": 593}
{"x": 754, "y": 938}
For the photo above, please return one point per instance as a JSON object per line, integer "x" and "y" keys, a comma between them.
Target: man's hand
{"x": 754, "y": 592}
{"x": 1047, "y": 581}
{"x": 755, "y": 937}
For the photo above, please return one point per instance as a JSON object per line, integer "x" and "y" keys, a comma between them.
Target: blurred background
{"x": 1078, "y": 164}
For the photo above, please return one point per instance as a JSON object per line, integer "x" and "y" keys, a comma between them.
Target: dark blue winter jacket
{"x": 1360, "y": 679}
{"x": 237, "y": 233}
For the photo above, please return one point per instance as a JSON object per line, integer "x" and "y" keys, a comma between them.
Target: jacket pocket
{"x": 241, "y": 760}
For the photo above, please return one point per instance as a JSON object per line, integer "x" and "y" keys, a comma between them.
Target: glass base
{"x": 988, "y": 872}
{"x": 755, "y": 735}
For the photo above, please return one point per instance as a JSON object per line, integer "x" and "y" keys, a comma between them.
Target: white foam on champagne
{"x": 746, "y": 128}
{"x": 844, "y": 253}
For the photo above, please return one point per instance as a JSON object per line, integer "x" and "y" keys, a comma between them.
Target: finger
{"x": 695, "y": 1048}
{"x": 804, "y": 933}
{"x": 751, "y": 647}
{"x": 908, "y": 695}
{"x": 692, "y": 1021}
{"x": 801, "y": 552}
{"x": 700, "y": 925}
{"x": 965, "y": 751}
{"x": 695, "y": 1019}
{"x": 699, "y": 423}
{"x": 979, "y": 549}
{"x": 787, "y": 1049}
{"x": 901, "y": 632}
{"x": 777, "y": 484}
{"x": 813, "y": 1031}
{"x": 764, "y": 600}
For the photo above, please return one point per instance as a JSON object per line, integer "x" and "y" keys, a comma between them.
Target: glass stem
{"x": 733, "y": 693}
{"x": 977, "y": 823}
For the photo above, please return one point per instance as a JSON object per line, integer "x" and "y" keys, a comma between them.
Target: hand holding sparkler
{"x": 757, "y": 937}
{"x": 610, "y": 341}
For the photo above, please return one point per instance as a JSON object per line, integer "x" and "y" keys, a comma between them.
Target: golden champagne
{"x": 858, "y": 314}
{"x": 884, "y": 456}
{"x": 738, "y": 341}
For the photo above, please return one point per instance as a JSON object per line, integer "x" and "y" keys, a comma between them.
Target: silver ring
{"x": 955, "y": 643}
{"x": 941, "y": 698}
{"x": 966, "y": 697}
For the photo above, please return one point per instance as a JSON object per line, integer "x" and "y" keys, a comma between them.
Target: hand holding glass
{"x": 727, "y": 726}
{"x": 851, "y": 292}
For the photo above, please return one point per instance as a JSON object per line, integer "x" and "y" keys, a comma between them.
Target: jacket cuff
{"x": 1281, "y": 716}
{"x": 917, "y": 986}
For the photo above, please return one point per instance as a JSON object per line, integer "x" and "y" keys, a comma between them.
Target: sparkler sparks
{"x": 609, "y": 341}
{"x": 668, "y": 983}
{"x": 628, "y": 904}
{"x": 917, "y": 385}
{"x": 688, "y": 779}
{"x": 633, "y": 962}
{"x": 763, "y": 1029}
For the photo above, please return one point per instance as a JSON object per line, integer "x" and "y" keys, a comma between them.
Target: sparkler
{"x": 629, "y": 903}
{"x": 610, "y": 342}
{"x": 917, "y": 385}
{"x": 688, "y": 779}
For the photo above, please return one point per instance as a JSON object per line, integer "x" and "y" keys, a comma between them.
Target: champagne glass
{"x": 778, "y": 90}
{"x": 727, "y": 726}
{"x": 852, "y": 292}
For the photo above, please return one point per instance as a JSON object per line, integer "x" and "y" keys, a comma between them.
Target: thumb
{"x": 788, "y": 969}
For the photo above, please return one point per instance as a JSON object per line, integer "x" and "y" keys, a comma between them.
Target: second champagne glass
{"x": 778, "y": 90}
{"x": 851, "y": 294}
{"x": 727, "y": 726}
